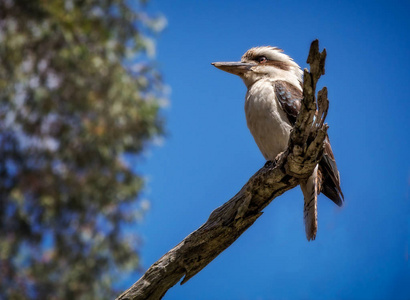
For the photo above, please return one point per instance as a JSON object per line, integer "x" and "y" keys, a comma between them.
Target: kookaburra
{"x": 272, "y": 103}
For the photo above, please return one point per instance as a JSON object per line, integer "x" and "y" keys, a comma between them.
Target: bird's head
{"x": 264, "y": 63}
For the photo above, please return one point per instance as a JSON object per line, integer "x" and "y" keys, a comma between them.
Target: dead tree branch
{"x": 228, "y": 222}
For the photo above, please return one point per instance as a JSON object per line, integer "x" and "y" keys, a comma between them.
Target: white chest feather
{"x": 266, "y": 120}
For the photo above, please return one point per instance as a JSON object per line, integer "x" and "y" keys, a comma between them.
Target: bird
{"x": 272, "y": 102}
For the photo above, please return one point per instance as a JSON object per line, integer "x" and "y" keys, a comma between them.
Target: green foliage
{"x": 69, "y": 112}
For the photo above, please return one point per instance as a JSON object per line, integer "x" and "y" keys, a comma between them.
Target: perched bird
{"x": 272, "y": 103}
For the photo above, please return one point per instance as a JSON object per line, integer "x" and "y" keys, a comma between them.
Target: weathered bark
{"x": 228, "y": 222}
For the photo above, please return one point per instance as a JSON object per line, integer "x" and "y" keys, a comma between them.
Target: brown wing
{"x": 290, "y": 99}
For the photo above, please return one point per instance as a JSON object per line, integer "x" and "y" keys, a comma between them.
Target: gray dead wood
{"x": 228, "y": 222}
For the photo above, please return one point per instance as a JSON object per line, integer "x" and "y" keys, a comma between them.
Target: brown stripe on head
{"x": 278, "y": 64}
{"x": 255, "y": 52}
{"x": 249, "y": 55}
{"x": 275, "y": 58}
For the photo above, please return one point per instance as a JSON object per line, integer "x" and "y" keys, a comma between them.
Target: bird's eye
{"x": 262, "y": 59}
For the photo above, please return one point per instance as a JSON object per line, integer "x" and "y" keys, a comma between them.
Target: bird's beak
{"x": 236, "y": 68}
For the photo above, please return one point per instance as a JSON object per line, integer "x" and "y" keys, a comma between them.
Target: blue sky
{"x": 362, "y": 249}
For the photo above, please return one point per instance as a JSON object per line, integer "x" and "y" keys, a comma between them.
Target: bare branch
{"x": 229, "y": 221}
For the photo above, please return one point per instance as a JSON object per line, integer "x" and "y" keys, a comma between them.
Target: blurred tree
{"x": 70, "y": 110}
